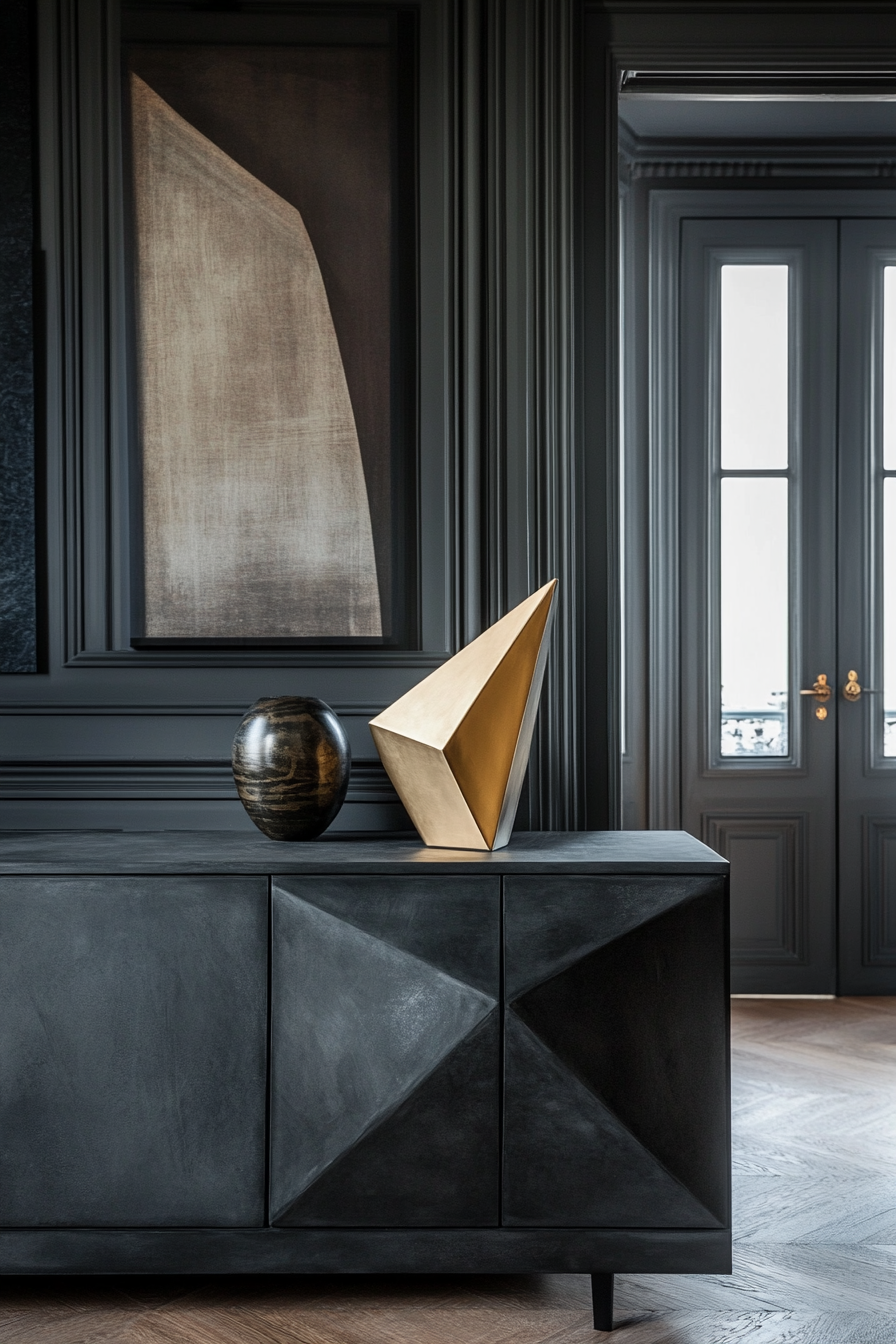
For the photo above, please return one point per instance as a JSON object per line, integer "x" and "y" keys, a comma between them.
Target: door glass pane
{"x": 890, "y": 616}
{"x": 889, "y": 369}
{"x": 754, "y": 421}
{"x": 755, "y": 617}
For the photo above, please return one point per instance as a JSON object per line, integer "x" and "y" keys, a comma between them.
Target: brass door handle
{"x": 822, "y": 692}
{"x": 852, "y": 690}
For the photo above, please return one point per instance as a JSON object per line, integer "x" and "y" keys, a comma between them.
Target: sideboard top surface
{"x": 243, "y": 852}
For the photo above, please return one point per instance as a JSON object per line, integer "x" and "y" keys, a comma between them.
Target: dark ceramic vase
{"x": 291, "y": 763}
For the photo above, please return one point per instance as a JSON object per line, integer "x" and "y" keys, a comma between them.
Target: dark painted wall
{"x": 517, "y": 430}
{"x": 108, "y": 735}
{"x": 18, "y": 642}
{"x": 517, "y": 352}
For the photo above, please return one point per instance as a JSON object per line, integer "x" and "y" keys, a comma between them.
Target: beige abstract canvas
{"x": 256, "y": 516}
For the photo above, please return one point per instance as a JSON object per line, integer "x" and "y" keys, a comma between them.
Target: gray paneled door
{"x": 867, "y": 625}
{"x": 133, "y": 1025}
{"x": 788, "y": 563}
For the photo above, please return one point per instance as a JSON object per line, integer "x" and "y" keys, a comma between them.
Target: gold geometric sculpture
{"x": 457, "y": 745}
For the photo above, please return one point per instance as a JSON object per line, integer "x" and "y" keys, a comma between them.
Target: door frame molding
{"x": 869, "y": 414}
{"x": 658, "y": 535}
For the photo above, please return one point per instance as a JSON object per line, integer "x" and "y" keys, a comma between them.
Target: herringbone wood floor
{"x": 815, "y": 1228}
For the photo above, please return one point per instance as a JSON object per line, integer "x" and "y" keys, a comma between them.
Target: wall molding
{"x": 643, "y": 158}
{"x": 879, "y": 891}
{"x": 222, "y": 709}
{"x": 256, "y": 657}
{"x": 664, "y": 583}
{"x": 533, "y": 516}
{"x": 164, "y": 779}
{"x": 655, "y": 169}
{"x": 790, "y": 833}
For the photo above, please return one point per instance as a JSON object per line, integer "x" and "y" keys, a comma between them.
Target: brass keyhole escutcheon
{"x": 822, "y": 692}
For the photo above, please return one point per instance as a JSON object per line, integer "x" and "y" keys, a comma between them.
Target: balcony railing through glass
{"x": 755, "y": 732}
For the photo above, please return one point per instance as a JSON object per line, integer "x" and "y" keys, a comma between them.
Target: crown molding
{"x": 665, "y": 7}
{"x": 642, "y": 158}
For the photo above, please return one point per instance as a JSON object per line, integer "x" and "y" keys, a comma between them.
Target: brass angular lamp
{"x": 457, "y": 745}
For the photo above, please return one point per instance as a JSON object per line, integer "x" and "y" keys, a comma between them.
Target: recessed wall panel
{"x": 768, "y": 895}
{"x": 879, "y": 891}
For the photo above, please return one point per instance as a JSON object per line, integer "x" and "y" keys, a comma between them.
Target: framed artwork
{"x": 271, "y": 249}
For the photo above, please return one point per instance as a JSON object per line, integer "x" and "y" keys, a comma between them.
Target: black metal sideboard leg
{"x": 602, "y": 1300}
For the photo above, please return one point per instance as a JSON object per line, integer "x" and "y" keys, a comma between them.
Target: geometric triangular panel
{"x": 359, "y": 1025}
{"x": 569, "y": 1162}
{"x": 402, "y": 912}
{"x": 457, "y": 744}
{"x": 640, "y": 1023}
{"x": 552, "y": 927}
{"x": 432, "y": 1161}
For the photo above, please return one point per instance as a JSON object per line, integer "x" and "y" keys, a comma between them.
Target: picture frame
{"x": 269, "y": 175}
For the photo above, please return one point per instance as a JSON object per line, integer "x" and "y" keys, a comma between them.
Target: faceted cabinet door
{"x": 133, "y": 1021}
{"x": 385, "y": 1052}
{"x": 616, "y": 1058}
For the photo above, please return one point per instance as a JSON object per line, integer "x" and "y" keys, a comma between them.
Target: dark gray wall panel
{"x": 18, "y": 616}
{"x": 132, "y": 1050}
{"x": 358, "y": 1027}
{"x": 203, "y": 731}
{"x": 105, "y": 809}
{"x": 500, "y": 465}
{"x": 87, "y": 415}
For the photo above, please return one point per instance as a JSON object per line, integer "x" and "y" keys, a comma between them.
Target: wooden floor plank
{"x": 745, "y": 1328}
{"x": 787, "y": 1208}
{"x": 35, "y": 1326}
{"x": 814, "y": 1130}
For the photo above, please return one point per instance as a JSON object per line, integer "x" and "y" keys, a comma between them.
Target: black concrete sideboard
{"x": 220, "y": 1053}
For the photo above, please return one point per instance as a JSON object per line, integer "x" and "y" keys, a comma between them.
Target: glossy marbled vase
{"x": 291, "y": 763}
